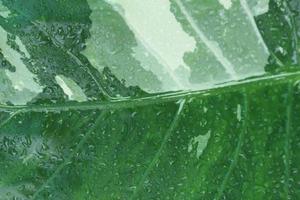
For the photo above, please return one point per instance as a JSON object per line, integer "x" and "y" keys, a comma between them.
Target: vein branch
{"x": 237, "y": 150}
{"x": 292, "y": 23}
{"x": 11, "y": 116}
{"x": 228, "y": 66}
{"x": 151, "y": 51}
{"x": 162, "y": 145}
{"x": 71, "y": 54}
{"x": 288, "y": 125}
{"x": 69, "y": 158}
{"x": 250, "y": 16}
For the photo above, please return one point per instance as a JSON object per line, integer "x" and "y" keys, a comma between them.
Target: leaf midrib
{"x": 158, "y": 98}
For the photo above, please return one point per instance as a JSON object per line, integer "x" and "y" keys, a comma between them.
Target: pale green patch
{"x": 259, "y": 7}
{"x": 176, "y": 45}
{"x": 4, "y": 12}
{"x": 11, "y": 95}
{"x": 226, "y": 3}
{"x": 22, "y": 47}
{"x": 113, "y": 45}
{"x": 150, "y": 63}
{"x": 199, "y": 143}
{"x": 15, "y": 84}
{"x": 70, "y": 88}
{"x": 155, "y": 25}
{"x": 22, "y": 78}
{"x": 229, "y": 47}
{"x": 239, "y": 112}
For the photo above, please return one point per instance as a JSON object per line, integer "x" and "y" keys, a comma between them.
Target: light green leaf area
{"x": 196, "y": 44}
{"x": 17, "y": 87}
{"x": 152, "y": 99}
{"x": 70, "y": 88}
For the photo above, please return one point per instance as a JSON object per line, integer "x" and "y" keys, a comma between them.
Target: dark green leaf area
{"x": 280, "y": 29}
{"x": 240, "y": 144}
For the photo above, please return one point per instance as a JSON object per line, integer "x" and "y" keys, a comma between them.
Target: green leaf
{"x": 280, "y": 29}
{"x": 175, "y": 42}
{"x": 135, "y": 99}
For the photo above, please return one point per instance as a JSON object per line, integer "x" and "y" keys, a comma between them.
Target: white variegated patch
{"x": 70, "y": 88}
{"x": 198, "y": 144}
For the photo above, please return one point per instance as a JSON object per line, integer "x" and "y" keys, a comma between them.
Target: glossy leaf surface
{"x": 135, "y": 99}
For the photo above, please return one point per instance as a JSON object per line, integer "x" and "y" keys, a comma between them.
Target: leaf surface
{"x": 149, "y": 99}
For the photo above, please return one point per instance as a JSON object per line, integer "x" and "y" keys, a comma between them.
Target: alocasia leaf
{"x": 280, "y": 29}
{"x": 220, "y": 44}
{"x": 131, "y": 99}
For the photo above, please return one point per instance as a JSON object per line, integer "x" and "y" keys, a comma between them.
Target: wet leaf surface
{"x": 135, "y": 99}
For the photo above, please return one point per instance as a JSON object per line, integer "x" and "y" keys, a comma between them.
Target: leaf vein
{"x": 287, "y": 139}
{"x": 162, "y": 145}
{"x": 69, "y": 158}
{"x": 249, "y": 14}
{"x": 156, "y": 99}
{"x": 11, "y": 116}
{"x": 71, "y": 54}
{"x": 228, "y": 66}
{"x": 237, "y": 150}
